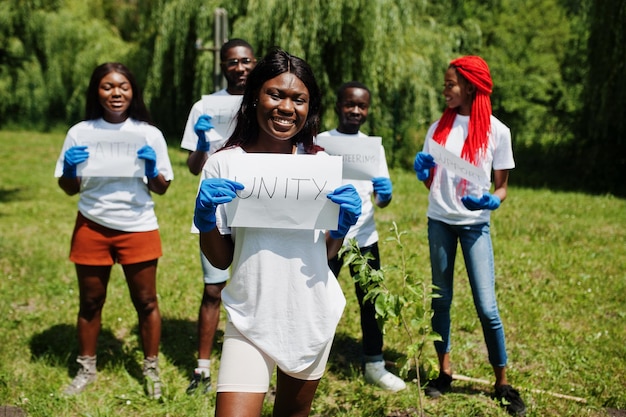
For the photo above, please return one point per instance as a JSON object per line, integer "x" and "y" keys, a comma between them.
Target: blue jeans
{"x": 478, "y": 254}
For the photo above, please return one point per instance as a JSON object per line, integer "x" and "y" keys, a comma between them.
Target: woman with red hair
{"x": 459, "y": 211}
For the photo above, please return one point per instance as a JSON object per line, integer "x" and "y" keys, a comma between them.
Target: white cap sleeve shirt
{"x": 119, "y": 203}
{"x": 364, "y": 231}
{"x": 282, "y": 295}
{"x": 444, "y": 198}
{"x": 190, "y": 139}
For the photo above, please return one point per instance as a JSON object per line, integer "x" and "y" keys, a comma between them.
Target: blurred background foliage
{"x": 558, "y": 67}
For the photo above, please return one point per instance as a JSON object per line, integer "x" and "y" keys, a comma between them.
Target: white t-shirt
{"x": 364, "y": 231}
{"x": 282, "y": 295}
{"x": 190, "y": 139}
{"x": 119, "y": 203}
{"x": 444, "y": 199}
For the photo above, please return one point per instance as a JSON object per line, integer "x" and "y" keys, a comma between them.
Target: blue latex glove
{"x": 147, "y": 153}
{"x": 349, "y": 209}
{"x": 422, "y": 165}
{"x": 72, "y": 157}
{"x": 382, "y": 188}
{"x": 202, "y": 126}
{"x": 487, "y": 201}
{"x": 213, "y": 191}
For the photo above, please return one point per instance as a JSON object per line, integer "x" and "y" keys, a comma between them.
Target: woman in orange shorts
{"x": 116, "y": 221}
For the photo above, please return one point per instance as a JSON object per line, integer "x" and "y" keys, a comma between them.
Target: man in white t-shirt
{"x": 201, "y": 140}
{"x": 353, "y": 101}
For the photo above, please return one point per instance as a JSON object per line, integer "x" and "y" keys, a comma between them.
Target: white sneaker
{"x": 375, "y": 373}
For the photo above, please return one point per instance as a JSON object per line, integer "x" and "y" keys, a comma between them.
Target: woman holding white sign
{"x": 459, "y": 211}
{"x": 116, "y": 221}
{"x": 282, "y": 300}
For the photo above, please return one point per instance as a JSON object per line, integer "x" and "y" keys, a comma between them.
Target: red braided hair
{"x": 475, "y": 70}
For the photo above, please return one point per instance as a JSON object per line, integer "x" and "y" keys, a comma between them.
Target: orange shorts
{"x": 96, "y": 245}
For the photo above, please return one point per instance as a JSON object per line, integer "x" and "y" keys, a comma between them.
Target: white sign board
{"x": 284, "y": 191}
{"x": 457, "y": 165}
{"x": 361, "y": 155}
{"x": 112, "y": 153}
{"x": 222, "y": 110}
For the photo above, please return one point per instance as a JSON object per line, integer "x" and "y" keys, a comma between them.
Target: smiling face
{"x": 236, "y": 66}
{"x": 459, "y": 93}
{"x": 281, "y": 110}
{"x": 115, "y": 95}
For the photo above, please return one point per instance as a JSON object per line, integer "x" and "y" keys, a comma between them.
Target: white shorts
{"x": 244, "y": 368}
{"x": 211, "y": 274}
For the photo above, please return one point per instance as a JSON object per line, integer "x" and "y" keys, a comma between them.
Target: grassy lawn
{"x": 561, "y": 283}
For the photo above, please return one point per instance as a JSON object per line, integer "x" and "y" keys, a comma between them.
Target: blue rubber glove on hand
{"x": 147, "y": 153}
{"x": 202, "y": 126}
{"x": 213, "y": 191}
{"x": 72, "y": 157}
{"x": 422, "y": 165}
{"x": 487, "y": 201}
{"x": 349, "y": 209}
{"x": 382, "y": 188}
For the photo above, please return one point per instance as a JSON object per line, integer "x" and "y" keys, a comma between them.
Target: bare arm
{"x": 158, "y": 184}
{"x": 382, "y": 204}
{"x": 332, "y": 246}
{"x": 195, "y": 161}
{"x": 429, "y": 180}
{"x": 500, "y": 182}
{"x": 71, "y": 186}
{"x": 217, "y": 248}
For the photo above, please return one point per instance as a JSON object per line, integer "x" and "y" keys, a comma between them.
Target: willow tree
{"x": 399, "y": 48}
{"x": 178, "y": 73}
{"x": 51, "y": 47}
{"x": 393, "y": 46}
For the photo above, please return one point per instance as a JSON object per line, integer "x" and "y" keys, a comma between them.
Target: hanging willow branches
{"x": 399, "y": 48}
{"x": 50, "y": 54}
{"x": 391, "y": 46}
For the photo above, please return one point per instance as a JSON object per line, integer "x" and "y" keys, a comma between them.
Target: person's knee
{"x": 146, "y": 304}
{"x": 490, "y": 318}
{"x": 90, "y": 306}
{"x": 442, "y": 302}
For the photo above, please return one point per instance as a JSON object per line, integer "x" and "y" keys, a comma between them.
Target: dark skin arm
{"x": 429, "y": 180}
{"x": 158, "y": 184}
{"x": 382, "y": 204}
{"x": 500, "y": 183}
{"x": 332, "y": 246}
{"x": 71, "y": 186}
{"x": 217, "y": 248}
{"x": 195, "y": 161}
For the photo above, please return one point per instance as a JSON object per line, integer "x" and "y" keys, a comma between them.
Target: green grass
{"x": 561, "y": 283}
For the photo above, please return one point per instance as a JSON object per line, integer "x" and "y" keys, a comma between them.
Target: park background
{"x": 558, "y": 68}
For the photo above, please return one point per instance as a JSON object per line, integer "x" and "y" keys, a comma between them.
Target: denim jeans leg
{"x": 479, "y": 262}
{"x": 442, "y": 242}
